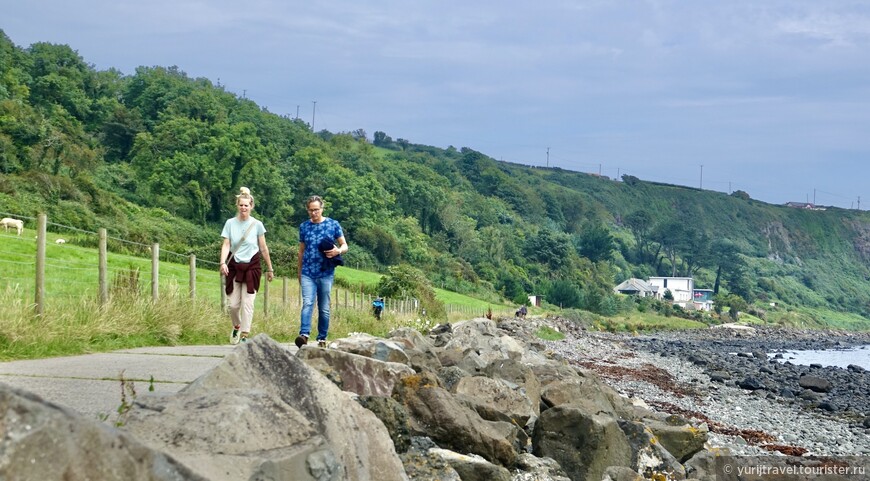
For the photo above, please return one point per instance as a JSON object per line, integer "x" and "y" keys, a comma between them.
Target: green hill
{"x": 155, "y": 156}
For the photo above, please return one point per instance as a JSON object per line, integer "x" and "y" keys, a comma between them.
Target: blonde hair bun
{"x": 244, "y": 191}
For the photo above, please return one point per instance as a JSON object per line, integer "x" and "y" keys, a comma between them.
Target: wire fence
{"x": 60, "y": 265}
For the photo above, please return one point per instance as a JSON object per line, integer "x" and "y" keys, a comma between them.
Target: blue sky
{"x": 770, "y": 97}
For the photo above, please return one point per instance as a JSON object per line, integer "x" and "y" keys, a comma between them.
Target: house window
{"x": 666, "y": 283}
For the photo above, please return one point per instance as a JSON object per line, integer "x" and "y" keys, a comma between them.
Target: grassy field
{"x": 74, "y": 322}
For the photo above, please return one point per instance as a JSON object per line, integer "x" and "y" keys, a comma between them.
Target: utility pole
{"x": 313, "y": 111}
{"x": 814, "y": 196}
{"x": 297, "y": 111}
{"x": 548, "y": 156}
{"x": 859, "y": 202}
{"x": 701, "y": 185}
{"x": 617, "y": 172}
{"x": 599, "y": 170}
{"x": 244, "y": 93}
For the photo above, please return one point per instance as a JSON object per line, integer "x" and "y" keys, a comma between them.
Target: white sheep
{"x": 8, "y": 222}
{"x": 60, "y": 241}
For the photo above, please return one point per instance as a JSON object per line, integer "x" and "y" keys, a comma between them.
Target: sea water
{"x": 859, "y": 356}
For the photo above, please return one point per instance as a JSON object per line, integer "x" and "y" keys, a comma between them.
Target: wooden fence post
{"x": 223, "y": 285}
{"x": 192, "y": 282}
{"x": 265, "y": 297}
{"x": 155, "y": 269}
{"x": 104, "y": 269}
{"x": 284, "y": 289}
{"x": 41, "y": 222}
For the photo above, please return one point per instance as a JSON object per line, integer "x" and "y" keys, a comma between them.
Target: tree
{"x": 564, "y": 293}
{"x": 596, "y": 244}
{"x": 549, "y": 248}
{"x": 740, "y": 195}
{"x": 381, "y": 139}
{"x": 640, "y": 222}
{"x": 405, "y": 281}
{"x": 726, "y": 256}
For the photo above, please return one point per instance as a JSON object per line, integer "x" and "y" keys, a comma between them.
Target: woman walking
{"x": 321, "y": 244}
{"x": 242, "y": 252}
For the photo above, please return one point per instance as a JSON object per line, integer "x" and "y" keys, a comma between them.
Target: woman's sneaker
{"x": 301, "y": 341}
{"x": 321, "y": 343}
{"x": 234, "y": 337}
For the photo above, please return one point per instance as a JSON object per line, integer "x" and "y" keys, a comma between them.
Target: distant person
{"x": 521, "y": 312}
{"x": 242, "y": 251}
{"x": 378, "y": 307}
{"x": 321, "y": 244}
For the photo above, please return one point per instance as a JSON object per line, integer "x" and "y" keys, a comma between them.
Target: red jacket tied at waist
{"x": 248, "y": 273}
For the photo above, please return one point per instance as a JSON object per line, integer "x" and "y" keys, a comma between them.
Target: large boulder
{"x": 579, "y": 392}
{"x": 434, "y": 412}
{"x": 496, "y": 399}
{"x": 370, "y": 346}
{"x": 815, "y": 383}
{"x": 533, "y": 468}
{"x": 482, "y": 336}
{"x": 421, "y": 353}
{"x": 583, "y": 444}
{"x": 262, "y": 413}
{"x": 552, "y": 372}
{"x": 425, "y": 465}
{"x": 680, "y": 438}
{"x": 394, "y": 417}
{"x": 363, "y": 375}
{"x": 472, "y": 467}
{"x": 648, "y": 455}
{"x": 519, "y": 375}
{"x": 45, "y": 442}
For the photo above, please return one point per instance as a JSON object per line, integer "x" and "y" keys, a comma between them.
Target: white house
{"x": 682, "y": 288}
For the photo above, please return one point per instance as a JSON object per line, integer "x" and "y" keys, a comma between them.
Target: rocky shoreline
{"x": 724, "y": 377}
{"x": 479, "y": 400}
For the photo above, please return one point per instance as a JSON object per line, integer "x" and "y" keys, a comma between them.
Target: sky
{"x": 770, "y": 97}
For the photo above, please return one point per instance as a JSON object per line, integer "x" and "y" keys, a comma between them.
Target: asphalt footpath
{"x": 91, "y": 383}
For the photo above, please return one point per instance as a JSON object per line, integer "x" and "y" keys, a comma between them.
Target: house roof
{"x": 635, "y": 285}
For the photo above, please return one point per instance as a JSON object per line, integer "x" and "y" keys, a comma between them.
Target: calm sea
{"x": 859, "y": 356}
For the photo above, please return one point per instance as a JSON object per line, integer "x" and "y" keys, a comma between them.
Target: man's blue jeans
{"x": 321, "y": 288}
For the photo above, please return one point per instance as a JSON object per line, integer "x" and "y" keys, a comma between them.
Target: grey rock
{"x": 584, "y": 445}
{"x": 426, "y": 466}
{"x": 360, "y": 374}
{"x": 648, "y": 454}
{"x": 261, "y": 413}
{"x": 472, "y": 467}
{"x": 434, "y": 412}
{"x": 815, "y": 383}
{"x": 46, "y": 442}
{"x": 751, "y": 384}
{"x": 533, "y": 468}
{"x": 498, "y": 396}
{"x": 394, "y": 417}
{"x": 451, "y": 375}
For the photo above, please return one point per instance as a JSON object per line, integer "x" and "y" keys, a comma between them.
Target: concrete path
{"x": 91, "y": 383}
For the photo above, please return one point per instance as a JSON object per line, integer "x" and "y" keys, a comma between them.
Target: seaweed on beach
{"x": 647, "y": 373}
{"x": 751, "y": 436}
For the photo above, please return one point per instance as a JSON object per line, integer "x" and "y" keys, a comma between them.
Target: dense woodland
{"x": 156, "y": 156}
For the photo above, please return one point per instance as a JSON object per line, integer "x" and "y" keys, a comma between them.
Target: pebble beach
{"x": 752, "y": 405}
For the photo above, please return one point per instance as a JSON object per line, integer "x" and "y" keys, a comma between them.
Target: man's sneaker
{"x": 234, "y": 337}
{"x": 301, "y": 340}
{"x": 321, "y": 343}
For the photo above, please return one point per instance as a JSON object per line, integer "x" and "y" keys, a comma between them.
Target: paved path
{"x": 90, "y": 383}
